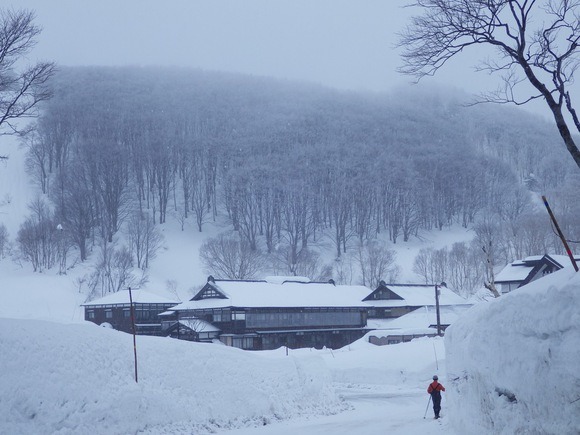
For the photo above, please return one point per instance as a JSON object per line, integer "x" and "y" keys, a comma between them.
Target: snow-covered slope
{"x": 513, "y": 363}
{"x": 79, "y": 379}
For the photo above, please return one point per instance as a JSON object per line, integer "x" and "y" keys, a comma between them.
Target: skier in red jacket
{"x": 435, "y": 389}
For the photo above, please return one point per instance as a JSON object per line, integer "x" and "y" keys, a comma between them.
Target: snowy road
{"x": 376, "y": 410}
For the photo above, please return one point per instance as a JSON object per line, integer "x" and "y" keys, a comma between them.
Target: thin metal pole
{"x": 427, "y": 409}
{"x": 437, "y": 309}
{"x": 133, "y": 325}
{"x": 555, "y": 222}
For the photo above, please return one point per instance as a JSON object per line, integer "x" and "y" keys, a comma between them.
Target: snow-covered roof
{"x": 287, "y": 294}
{"x": 422, "y": 317}
{"x": 405, "y": 331}
{"x": 519, "y": 270}
{"x": 417, "y": 295}
{"x": 139, "y": 297}
{"x": 282, "y": 279}
{"x": 199, "y": 325}
{"x": 514, "y": 272}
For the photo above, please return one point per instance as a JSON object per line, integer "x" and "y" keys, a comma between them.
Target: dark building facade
{"x": 114, "y": 311}
{"x": 267, "y": 314}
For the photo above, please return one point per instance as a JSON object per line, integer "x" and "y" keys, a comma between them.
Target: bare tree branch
{"x": 21, "y": 91}
{"x": 537, "y": 43}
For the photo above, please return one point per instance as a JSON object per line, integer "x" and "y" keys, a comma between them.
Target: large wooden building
{"x": 273, "y": 312}
{"x": 270, "y": 313}
{"x": 114, "y": 311}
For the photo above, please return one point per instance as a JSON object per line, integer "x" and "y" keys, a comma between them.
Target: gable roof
{"x": 414, "y": 295}
{"x": 524, "y": 270}
{"x": 262, "y": 293}
{"x": 139, "y": 297}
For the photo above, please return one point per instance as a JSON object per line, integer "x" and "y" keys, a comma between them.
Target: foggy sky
{"x": 345, "y": 44}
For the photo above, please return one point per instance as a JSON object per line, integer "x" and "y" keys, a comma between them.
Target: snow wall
{"x": 513, "y": 365}
{"x": 79, "y": 378}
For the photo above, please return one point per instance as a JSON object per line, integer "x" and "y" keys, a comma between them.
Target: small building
{"x": 389, "y": 301}
{"x": 114, "y": 310}
{"x": 270, "y": 313}
{"x": 522, "y": 272}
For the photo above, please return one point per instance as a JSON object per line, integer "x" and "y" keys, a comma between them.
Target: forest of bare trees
{"x": 297, "y": 170}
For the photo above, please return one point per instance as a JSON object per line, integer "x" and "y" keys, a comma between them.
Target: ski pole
{"x": 427, "y": 409}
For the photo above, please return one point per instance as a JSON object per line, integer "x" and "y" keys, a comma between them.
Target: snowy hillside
{"x": 77, "y": 379}
{"x": 513, "y": 363}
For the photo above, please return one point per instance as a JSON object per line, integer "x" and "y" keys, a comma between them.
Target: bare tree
{"x": 486, "y": 232}
{"x": 432, "y": 264}
{"x": 114, "y": 271}
{"x": 20, "y": 89}
{"x": 376, "y": 262}
{"x": 228, "y": 257}
{"x": 305, "y": 263}
{"x": 144, "y": 238}
{"x": 537, "y": 43}
{"x": 4, "y": 241}
{"x": 37, "y": 237}
{"x": 37, "y": 160}
{"x": 466, "y": 270}
{"x": 77, "y": 208}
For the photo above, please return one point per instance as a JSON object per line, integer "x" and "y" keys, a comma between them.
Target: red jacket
{"x": 435, "y": 386}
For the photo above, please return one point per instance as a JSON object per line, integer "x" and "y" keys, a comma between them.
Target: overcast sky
{"x": 347, "y": 44}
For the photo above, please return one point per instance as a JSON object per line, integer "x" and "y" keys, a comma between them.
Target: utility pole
{"x": 437, "y": 310}
{"x": 133, "y": 327}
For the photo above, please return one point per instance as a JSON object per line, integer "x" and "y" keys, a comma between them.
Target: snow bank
{"x": 79, "y": 378}
{"x": 513, "y": 363}
{"x": 409, "y": 364}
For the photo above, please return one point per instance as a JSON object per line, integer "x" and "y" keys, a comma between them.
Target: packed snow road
{"x": 376, "y": 409}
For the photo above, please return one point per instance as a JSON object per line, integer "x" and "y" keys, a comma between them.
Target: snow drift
{"x": 513, "y": 363}
{"x": 79, "y": 378}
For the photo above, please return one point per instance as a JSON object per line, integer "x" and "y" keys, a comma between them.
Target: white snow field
{"x": 79, "y": 379}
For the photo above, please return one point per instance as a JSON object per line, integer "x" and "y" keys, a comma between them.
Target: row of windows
{"x": 162, "y": 307}
{"x": 344, "y": 316}
{"x": 140, "y": 314}
{"x": 211, "y": 293}
{"x": 280, "y": 320}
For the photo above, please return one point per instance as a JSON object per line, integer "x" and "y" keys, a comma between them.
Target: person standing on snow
{"x": 435, "y": 389}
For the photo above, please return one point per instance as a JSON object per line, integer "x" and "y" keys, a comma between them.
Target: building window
{"x": 237, "y": 342}
{"x": 108, "y": 314}
{"x": 142, "y": 314}
{"x": 238, "y": 315}
{"x": 248, "y": 343}
{"x": 91, "y": 314}
{"x": 126, "y": 313}
{"x": 210, "y": 294}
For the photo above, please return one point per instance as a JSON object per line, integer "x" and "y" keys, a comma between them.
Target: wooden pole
{"x": 560, "y": 234}
{"x": 437, "y": 310}
{"x": 133, "y": 327}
